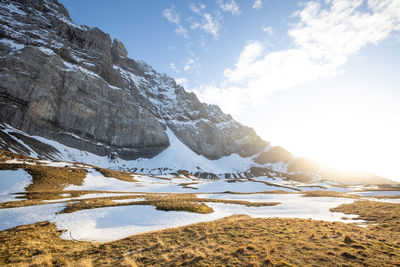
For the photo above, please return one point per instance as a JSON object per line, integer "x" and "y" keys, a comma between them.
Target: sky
{"x": 319, "y": 78}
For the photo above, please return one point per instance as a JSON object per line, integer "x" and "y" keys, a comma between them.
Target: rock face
{"x": 273, "y": 155}
{"x": 69, "y": 92}
{"x": 73, "y": 84}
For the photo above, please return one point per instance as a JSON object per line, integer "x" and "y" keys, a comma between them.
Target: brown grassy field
{"x": 48, "y": 182}
{"x": 123, "y": 176}
{"x": 383, "y": 216}
{"x": 166, "y": 202}
{"x": 233, "y": 241}
{"x": 329, "y": 194}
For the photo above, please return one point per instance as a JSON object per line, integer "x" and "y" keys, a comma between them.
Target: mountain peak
{"x": 80, "y": 83}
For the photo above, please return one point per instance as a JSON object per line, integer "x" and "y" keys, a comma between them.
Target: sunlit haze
{"x": 319, "y": 78}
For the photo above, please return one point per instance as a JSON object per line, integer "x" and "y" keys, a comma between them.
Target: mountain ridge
{"x": 134, "y": 89}
{"x": 68, "y": 91}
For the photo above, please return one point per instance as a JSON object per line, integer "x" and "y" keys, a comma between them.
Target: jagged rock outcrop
{"x": 72, "y": 84}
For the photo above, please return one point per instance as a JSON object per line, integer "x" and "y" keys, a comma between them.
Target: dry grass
{"x": 38, "y": 244}
{"x": 183, "y": 206}
{"x": 166, "y": 202}
{"x": 159, "y": 204}
{"x": 238, "y": 202}
{"x": 129, "y": 262}
{"x": 193, "y": 198}
{"x": 47, "y": 181}
{"x": 47, "y": 178}
{"x": 232, "y": 241}
{"x": 123, "y": 176}
{"x": 260, "y": 192}
{"x": 385, "y": 196}
{"x": 386, "y": 215}
{"x": 39, "y": 198}
{"x": 43, "y": 260}
{"x": 348, "y": 239}
{"x": 329, "y": 194}
{"x": 7, "y": 155}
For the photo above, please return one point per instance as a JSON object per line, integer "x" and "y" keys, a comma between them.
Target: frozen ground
{"x": 111, "y": 223}
{"x": 26, "y": 215}
{"x": 376, "y": 193}
{"x": 106, "y": 224}
{"x": 100, "y": 224}
{"x": 292, "y": 206}
{"x": 96, "y": 181}
{"x": 12, "y": 182}
{"x": 88, "y": 196}
{"x": 387, "y": 200}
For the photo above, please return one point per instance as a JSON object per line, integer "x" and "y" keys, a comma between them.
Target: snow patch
{"x": 14, "y": 9}
{"x": 179, "y": 157}
{"x": 47, "y": 51}
{"x": 13, "y": 45}
{"x": 292, "y": 206}
{"x": 129, "y": 200}
{"x": 101, "y": 224}
{"x": 376, "y": 193}
{"x": 13, "y": 182}
{"x": 13, "y": 217}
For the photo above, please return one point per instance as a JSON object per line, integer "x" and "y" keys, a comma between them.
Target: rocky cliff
{"x": 73, "y": 84}
{"x": 69, "y": 92}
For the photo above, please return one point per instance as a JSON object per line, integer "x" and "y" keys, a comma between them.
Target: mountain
{"x": 69, "y": 92}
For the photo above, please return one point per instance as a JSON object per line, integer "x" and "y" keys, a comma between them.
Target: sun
{"x": 347, "y": 140}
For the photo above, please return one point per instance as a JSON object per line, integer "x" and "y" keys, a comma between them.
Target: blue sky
{"x": 320, "y": 78}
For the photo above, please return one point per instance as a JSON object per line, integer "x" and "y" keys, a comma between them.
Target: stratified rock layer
{"x": 73, "y": 84}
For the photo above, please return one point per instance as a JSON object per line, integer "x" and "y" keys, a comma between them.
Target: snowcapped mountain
{"x": 73, "y": 85}
{"x": 69, "y": 92}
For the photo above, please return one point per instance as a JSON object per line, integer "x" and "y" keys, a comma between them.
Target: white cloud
{"x": 195, "y": 25}
{"x": 180, "y": 30}
{"x": 243, "y": 68}
{"x": 171, "y": 15}
{"x": 267, "y": 29}
{"x": 336, "y": 33}
{"x": 231, "y": 100}
{"x": 324, "y": 38}
{"x": 189, "y": 63}
{"x": 182, "y": 82}
{"x": 230, "y": 6}
{"x": 172, "y": 65}
{"x": 211, "y": 25}
{"x": 205, "y": 21}
{"x": 257, "y": 4}
{"x": 198, "y": 9}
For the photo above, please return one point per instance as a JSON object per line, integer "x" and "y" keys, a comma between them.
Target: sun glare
{"x": 347, "y": 140}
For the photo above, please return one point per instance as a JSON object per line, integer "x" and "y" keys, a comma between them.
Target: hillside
{"x": 69, "y": 92}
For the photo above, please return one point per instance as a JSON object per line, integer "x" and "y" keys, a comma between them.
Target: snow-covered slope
{"x": 176, "y": 157}
{"x": 179, "y": 157}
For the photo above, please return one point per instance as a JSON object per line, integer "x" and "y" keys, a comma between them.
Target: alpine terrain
{"x": 69, "y": 92}
{"x": 106, "y": 162}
